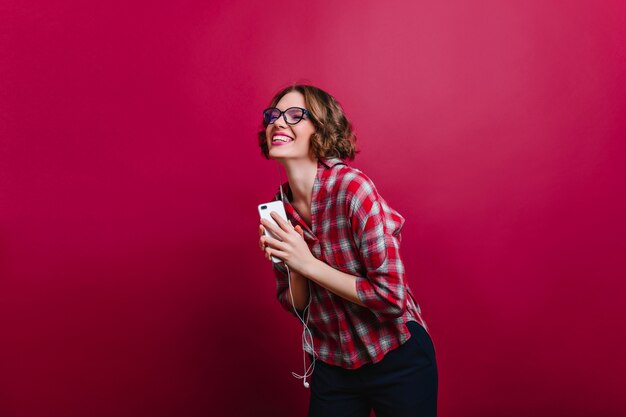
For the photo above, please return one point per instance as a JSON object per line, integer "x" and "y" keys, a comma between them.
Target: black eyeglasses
{"x": 292, "y": 115}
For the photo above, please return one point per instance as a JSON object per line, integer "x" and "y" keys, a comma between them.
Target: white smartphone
{"x": 265, "y": 210}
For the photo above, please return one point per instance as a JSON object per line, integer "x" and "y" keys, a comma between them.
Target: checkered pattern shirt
{"x": 354, "y": 230}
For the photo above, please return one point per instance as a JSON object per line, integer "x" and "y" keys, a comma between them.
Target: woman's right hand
{"x": 262, "y": 245}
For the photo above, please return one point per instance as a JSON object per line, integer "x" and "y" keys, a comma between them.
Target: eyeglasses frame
{"x": 305, "y": 112}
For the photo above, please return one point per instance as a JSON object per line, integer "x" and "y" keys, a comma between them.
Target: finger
{"x": 276, "y": 253}
{"x": 274, "y": 229}
{"x": 275, "y": 243}
{"x": 261, "y": 230}
{"x": 268, "y": 253}
{"x": 282, "y": 223}
{"x": 299, "y": 230}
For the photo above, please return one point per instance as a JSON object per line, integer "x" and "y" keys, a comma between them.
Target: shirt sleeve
{"x": 376, "y": 233}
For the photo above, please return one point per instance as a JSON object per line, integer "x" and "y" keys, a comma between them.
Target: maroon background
{"x": 130, "y": 279}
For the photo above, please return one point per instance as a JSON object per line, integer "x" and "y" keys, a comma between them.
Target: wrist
{"x": 309, "y": 268}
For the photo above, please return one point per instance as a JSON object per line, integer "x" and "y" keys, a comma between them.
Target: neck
{"x": 301, "y": 175}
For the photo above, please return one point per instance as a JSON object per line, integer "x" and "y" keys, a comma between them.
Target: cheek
{"x": 305, "y": 135}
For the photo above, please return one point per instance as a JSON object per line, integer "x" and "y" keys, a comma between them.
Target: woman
{"x": 369, "y": 339}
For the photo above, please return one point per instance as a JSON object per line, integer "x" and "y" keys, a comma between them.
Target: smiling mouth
{"x": 281, "y": 139}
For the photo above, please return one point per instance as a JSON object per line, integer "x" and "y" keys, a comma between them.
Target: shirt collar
{"x": 330, "y": 162}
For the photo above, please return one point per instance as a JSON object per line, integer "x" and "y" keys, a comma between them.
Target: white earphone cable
{"x": 307, "y": 337}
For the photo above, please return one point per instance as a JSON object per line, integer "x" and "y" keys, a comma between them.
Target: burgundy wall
{"x": 130, "y": 279}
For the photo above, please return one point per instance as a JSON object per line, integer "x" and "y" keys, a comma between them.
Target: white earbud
{"x": 306, "y": 384}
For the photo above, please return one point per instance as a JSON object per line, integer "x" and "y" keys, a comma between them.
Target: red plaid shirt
{"x": 355, "y": 231}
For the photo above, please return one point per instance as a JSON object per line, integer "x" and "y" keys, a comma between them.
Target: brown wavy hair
{"x": 333, "y": 136}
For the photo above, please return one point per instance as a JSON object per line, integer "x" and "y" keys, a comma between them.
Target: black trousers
{"x": 403, "y": 383}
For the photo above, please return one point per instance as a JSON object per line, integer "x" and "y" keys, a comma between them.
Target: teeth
{"x": 281, "y": 139}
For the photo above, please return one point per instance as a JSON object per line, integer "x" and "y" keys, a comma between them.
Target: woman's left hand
{"x": 291, "y": 247}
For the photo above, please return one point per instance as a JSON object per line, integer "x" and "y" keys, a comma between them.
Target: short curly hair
{"x": 333, "y": 137}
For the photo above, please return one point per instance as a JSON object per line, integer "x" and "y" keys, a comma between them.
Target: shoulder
{"x": 352, "y": 186}
{"x": 338, "y": 174}
{"x": 358, "y": 184}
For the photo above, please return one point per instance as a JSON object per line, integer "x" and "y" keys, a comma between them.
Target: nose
{"x": 280, "y": 122}
{"x": 279, "y": 125}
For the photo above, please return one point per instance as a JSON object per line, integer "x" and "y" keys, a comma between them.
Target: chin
{"x": 277, "y": 155}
